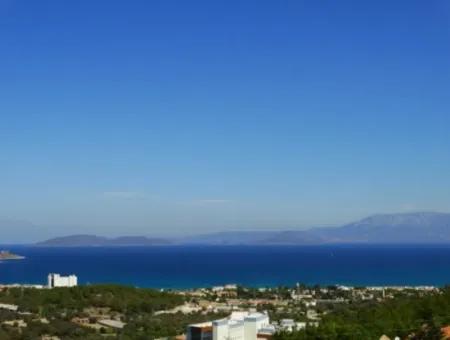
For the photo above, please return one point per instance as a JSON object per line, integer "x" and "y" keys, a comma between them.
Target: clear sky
{"x": 178, "y": 117}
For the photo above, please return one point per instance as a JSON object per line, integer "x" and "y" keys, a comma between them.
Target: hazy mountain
{"x": 229, "y": 238}
{"x": 388, "y": 228}
{"x": 391, "y": 228}
{"x": 137, "y": 240}
{"x": 96, "y": 241}
{"x": 300, "y": 237}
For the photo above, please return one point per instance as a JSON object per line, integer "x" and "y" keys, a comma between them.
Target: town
{"x": 223, "y": 312}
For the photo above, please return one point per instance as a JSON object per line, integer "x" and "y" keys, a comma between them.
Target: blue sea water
{"x": 201, "y": 266}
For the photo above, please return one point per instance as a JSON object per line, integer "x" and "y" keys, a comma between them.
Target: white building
{"x": 112, "y": 323}
{"x": 238, "y": 326}
{"x": 231, "y": 286}
{"x": 56, "y": 280}
{"x": 12, "y": 308}
{"x": 218, "y": 288}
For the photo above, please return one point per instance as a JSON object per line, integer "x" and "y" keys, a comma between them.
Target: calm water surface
{"x": 195, "y": 266}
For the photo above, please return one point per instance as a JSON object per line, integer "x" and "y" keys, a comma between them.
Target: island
{"x": 100, "y": 241}
{"x": 7, "y": 255}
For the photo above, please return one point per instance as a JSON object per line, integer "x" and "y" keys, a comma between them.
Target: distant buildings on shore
{"x": 56, "y": 280}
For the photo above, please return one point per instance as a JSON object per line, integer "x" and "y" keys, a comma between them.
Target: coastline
{"x": 18, "y": 257}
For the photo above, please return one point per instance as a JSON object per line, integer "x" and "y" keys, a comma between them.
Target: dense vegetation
{"x": 127, "y": 300}
{"x": 58, "y": 306}
{"x": 410, "y": 316}
{"x": 418, "y": 317}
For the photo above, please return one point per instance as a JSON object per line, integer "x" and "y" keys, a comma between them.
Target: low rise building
{"x": 112, "y": 323}
{"x": 12, "y": 308}
{"x": 15, "y": 323}
{"x": 238, "y": 326}
{"x": 288, "y": 325}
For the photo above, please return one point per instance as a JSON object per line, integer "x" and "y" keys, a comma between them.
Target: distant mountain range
{"x": 411, "y": 228}
{"x": 98, "y": 241}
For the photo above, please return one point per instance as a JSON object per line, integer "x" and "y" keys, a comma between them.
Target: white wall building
{"x": 12, "y": 308}
{"x": 240, "y": 326}
{"x": 56, "y": 280}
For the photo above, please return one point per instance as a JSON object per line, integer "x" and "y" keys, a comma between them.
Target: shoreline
{"x": 12, "y": 258}
{"x": 227, "y": 286}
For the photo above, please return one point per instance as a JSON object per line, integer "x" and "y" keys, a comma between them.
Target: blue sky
{"x": 177, "y": 117}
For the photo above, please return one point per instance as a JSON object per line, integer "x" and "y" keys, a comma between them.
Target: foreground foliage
{"x": 418, "y": 317}
{"x": 122, "y": 299}
{"x": 406, "y": 316}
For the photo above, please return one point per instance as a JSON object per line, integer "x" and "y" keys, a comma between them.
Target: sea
{"x": 182, "y": 267}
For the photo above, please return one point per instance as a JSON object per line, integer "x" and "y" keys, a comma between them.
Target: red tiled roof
{"x": 446, "y": 332}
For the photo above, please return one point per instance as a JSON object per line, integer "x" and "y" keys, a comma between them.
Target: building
{"x": 231, "y": 286}
{"x": 200, "y": 331}
{"x": 112, "y": 323}
{"x": 6, "y": 306}
{"x": 56, "y": 280}
{"x": 238, "y": 326}
{"x": 288, "y": 325}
